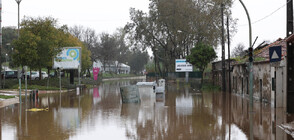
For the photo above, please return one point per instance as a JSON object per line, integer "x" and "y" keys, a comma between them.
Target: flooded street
{"x": 180, "y": 114}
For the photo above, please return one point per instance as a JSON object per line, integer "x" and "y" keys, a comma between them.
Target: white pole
{"x": 26, "y": 81}
{"x": 60, "y": 80}
{"x": 1, "y": 35}
{"x": 79, "y": 74}
{"x": 187, "y": 77}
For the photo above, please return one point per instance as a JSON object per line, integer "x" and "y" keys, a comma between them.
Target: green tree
{"x": 25, "y": 51}
{"x": 40, "y": 40}
{"x": 9, "y": 34}
{"x": 38, "y": 43}
{"x": 200, "y": 56}
{"x": 106, "y": 50}
{"x": 137, "y": 61}
{"x": 122, "y": 46}
{"x": 172, "y": 27}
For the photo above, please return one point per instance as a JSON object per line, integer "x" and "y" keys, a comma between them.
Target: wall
{"x": 263, "y": 72}
{"x": 261, "y": 80}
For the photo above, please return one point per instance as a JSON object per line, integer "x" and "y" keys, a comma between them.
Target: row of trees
{"x": 172, "y": 28}
{"x": 111, "y": 48}
{"x": 41, "y": 39}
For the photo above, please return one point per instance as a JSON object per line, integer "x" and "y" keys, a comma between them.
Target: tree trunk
{"x": 40, "y": 74}
{"x": 202, "y": 71}
{"x": 158, "y": 66}
{"x": 48, "y": 68}
{"x": 30, "y": 74}
{"x": 71, "y": 81}
{"x": 89, "y": 73}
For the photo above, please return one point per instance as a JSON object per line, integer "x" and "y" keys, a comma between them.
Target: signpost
{"x": 183, "y": 66}
{"x": 19, "y": 81}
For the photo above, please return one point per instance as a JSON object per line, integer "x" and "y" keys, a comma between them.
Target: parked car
{"x": 35, "y": 75}
{"x": 44, "y": 75}
{"x": 10, "y": 75}
{"x": 52, "y": 74}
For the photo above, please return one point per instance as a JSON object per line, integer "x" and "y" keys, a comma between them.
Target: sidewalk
{"x": 16, "y": 92}
{"x": 7, "y": 102}
{"x": 124, "y": 78}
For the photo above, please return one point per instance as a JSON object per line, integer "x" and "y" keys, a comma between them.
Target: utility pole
{"x": 223, "y": 52}
{"x": 289, "y": 18}
{"x": 229, "y": 57}
{"x": 290, "y": 58}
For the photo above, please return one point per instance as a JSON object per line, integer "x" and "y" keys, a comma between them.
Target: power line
{"x": 267, "y": 15}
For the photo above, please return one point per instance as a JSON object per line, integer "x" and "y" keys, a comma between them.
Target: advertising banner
{"x": 95, "y": 73}
{"x": 68, "y": 58}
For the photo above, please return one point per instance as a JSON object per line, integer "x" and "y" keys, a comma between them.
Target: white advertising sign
{"x": 68, "y": 58}
{"x": 183, "y": 66}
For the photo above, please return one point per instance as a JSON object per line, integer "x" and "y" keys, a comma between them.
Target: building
{"x": 114, "y": 67}
{"x": 269, "y": 79}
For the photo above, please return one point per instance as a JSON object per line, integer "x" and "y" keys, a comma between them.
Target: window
{"x": 260, "y": 88}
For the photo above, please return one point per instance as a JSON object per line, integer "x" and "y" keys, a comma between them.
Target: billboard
{"x": 183, "y": 66}
{"x": 68, "y": 58}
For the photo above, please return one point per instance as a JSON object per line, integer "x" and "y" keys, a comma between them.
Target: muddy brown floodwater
{"x": 182, "y": 114}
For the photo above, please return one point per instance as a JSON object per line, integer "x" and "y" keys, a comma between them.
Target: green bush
{"x": 6, "y": 97}
{"x": 53, "y": 83}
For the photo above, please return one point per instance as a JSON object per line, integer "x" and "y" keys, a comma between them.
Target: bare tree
{"x": 88, "y": 37}
{"x": 77, "y": 31}
{"x": 239, "y": 50}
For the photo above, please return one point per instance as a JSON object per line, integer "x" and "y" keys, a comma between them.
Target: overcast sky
{"x": 107, "y": 15}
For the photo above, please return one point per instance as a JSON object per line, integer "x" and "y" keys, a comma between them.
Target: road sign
{"x": 275, "y": 53}
{"x": 183, "y": 66}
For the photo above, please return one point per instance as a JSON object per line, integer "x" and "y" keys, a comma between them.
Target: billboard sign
{"x": 183, "y": 66}
{"x": 68, "y": 58}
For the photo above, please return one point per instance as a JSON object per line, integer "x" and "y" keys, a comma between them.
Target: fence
{"x": 176, "y": 75}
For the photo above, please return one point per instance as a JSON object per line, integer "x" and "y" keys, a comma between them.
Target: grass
{"x": 111, "y": 75}
{"x": 6, "y": 97}
{"x": 35, "y": 87}
{"x": 209, "y": 87}
{"x": 53, "y": 83}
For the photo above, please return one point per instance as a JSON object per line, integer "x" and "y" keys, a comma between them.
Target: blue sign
{"x": 275, "y": 53}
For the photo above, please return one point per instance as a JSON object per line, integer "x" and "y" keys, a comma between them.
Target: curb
{"x": 7, "y": 102}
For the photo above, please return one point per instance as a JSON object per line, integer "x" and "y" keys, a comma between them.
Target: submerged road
{"x": 98, "y": 113}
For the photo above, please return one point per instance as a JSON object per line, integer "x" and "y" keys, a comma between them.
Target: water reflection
{"x": 181, "y": 113}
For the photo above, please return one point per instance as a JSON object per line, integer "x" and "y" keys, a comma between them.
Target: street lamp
{"x": 4, "y": 71}
{"x": 18, "y": 2}
{"x": 250, "y": 72}
{"x": 155, "y": 50}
